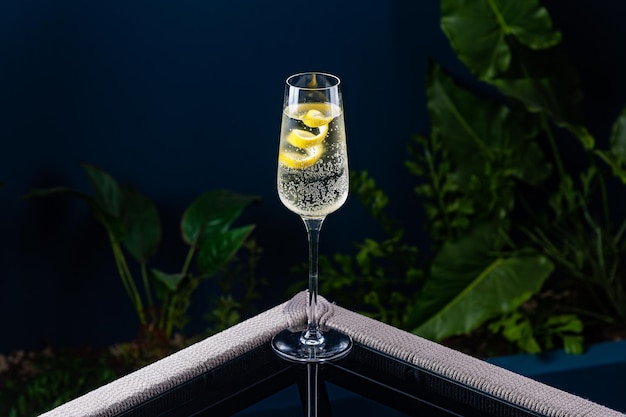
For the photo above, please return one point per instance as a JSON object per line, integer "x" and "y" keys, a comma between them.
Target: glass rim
{"x": 289, "y": 79}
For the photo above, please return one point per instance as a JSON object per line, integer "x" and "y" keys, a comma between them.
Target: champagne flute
{"x": 312, "y": 181}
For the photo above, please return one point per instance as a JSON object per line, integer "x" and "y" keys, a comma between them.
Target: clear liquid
{"x": 321, "y": 188}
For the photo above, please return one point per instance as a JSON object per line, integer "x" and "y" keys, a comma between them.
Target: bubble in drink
{"x": 313, "y": 163}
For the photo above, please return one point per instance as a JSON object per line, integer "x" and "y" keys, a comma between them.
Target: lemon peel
{"x": 315, "y": 118}
{"x": 301, "y": 160}
{"x": 305, "y": 139}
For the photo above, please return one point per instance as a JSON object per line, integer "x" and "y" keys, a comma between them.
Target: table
{"x": 235, "y": 370}
{"x": 376, "y": 377}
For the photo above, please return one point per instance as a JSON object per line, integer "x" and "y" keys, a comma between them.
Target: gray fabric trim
{"x": 135, "y": 388}
{"x": 175, "y": 369}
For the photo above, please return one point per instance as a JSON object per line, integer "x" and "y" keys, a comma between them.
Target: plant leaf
{"x": 455, "y": 266}
{"x": 615, "y": 157}
{"x": 618, "y": 137}
{"x": 142, "y": 225}
{"x": 170, "y": 281}
{"x": 211, "y": 212}
{"x": 512, "y": 45}
{"x": 220, "y": 248}
{"x": 556, "y": 96}
{"x": 107, "y": 201}
{"x": 500, "y": 287}
{"x": 477, "y": 131}
{"x": 478, "y": 31}
{"x": 107, "y": 192}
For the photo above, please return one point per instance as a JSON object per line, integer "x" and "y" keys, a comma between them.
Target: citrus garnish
{"x": 304, "y": 139}
{"x": 315, "y": 118}
{"x": 300, "y": 160}
{"x": 313, "y": 82}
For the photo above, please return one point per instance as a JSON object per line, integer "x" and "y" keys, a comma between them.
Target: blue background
{"x": 177, "y": 98}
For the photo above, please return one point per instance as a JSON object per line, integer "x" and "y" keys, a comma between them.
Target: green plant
{"x": 380, "y": 278}
{"x": 510, "y": 218}
{"x": 34, "y": 382}
{"x": 562, "y": 214}
{"x": 239, "y": 278}
{"x": 133, "y": 227}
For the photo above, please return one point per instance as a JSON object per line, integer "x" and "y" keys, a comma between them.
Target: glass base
{"x": 288, "y": 345}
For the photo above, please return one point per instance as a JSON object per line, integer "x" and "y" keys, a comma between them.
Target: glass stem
{"x": 312, "y": 335}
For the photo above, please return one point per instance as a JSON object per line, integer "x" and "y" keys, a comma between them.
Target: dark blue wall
{"x": 178, "y": 98}
{"x": 181, "y": 97}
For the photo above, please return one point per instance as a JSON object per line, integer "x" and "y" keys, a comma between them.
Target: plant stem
{"x": 146, "y": 287}
{"x": 127, "y": 280}
{"x": 436, "y": 184}
{"x": 123, "y": 277}
{"x": 618, "y": 236}
{"x": 164, "y": 310}
{"x": 553, "y": 146}
{"x": 169, "y": 325}
{"x": 603, "y": 195}
{"x": 187, "y": 263}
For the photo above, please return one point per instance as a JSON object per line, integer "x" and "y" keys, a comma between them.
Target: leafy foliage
{"x": 495, "y": 23}
{"x": 569, "y": 221}
{"x": 133, "y": 225}
{"x": 31, "y": 383}
{"x": 378, "y": 280}
{"x": 509, "y": 220}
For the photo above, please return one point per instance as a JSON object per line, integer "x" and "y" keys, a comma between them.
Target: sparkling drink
{"x": 313, "y": 164}
{"x": 312, "y": 181}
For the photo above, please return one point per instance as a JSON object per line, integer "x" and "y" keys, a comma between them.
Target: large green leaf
{"x": 220, "y": 248}
{"x": 142, "y": 225}
{"x": 512, "y": 45}
{"x": 499, "y": 287}
{"x": 554, "y": 95}
{"x": 478, "y": 31}
{"x": 455, "y": 266}
{"x": 478, "y": 131}
{"x": 212, "y": 212}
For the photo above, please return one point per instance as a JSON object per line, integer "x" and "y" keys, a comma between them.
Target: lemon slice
{"x": 305, "y": 139}
{"x": 301, "y": 160}
{"x": 315, "y": 118}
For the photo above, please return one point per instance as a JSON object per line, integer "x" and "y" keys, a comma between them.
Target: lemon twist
{"x": 315, "y": 118}
{"x": 302, "y": 158}
{"x": 308, "y": 145}
{"x": 304, "y": 139}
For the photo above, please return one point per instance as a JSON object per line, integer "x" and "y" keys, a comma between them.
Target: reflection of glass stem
{"x": 312, "y": 336}
{"x": 311, "y": 388}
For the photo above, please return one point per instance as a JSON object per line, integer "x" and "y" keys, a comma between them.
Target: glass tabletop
{"x": 259, "y": 383}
